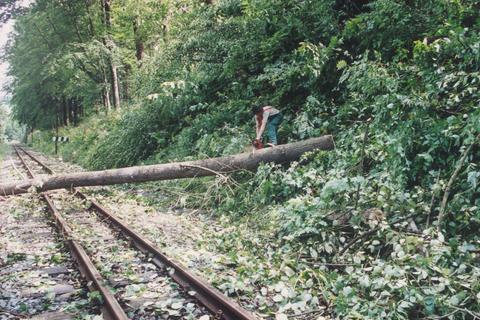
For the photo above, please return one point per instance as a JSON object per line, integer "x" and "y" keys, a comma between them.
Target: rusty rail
{"x": 111, "y": 307}
{"x": 40, "y": 163}
{"x": 219, "y": 304}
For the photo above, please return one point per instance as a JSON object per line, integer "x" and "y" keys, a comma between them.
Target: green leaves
{"x": 395, "y": 82}
{"x": 95, "y": 297}
{"x": 473, "y": 179}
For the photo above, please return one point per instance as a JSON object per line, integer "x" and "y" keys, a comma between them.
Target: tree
{"x": 9, "y": 9}
{"x": 191, "y": 169}
{"x": 110, "y": 45}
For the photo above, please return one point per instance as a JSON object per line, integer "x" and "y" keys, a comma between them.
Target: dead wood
{"x": 178, "y": 170}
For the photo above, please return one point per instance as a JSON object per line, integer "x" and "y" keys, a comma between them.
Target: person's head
{"x": 256, "y": 109}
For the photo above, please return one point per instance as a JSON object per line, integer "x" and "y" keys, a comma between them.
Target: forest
{"x": 386, "y": 226}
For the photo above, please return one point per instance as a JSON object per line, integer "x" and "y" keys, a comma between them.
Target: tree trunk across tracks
{"x": 177, "y": 170}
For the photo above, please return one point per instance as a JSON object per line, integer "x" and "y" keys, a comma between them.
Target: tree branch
{"x": 446, "y": 195}
{"x": 432, "y": 200}
{"x": 372, "y": 231}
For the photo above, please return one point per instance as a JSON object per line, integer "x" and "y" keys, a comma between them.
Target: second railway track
{"x": 141, "y": 279}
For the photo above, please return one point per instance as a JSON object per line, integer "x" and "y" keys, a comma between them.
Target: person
{"x": 269, "y": 118}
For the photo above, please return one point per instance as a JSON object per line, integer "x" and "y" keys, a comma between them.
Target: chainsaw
{"x": 257, "y": 144}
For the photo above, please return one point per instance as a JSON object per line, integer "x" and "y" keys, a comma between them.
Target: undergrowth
{"x": 357, "y": 228}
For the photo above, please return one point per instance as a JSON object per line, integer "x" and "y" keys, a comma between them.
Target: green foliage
{"x": 9, "y": 129}
{"x": 401, "y": 286}
{"x": 95, "y": 297}
{"x": 395, "y": 82}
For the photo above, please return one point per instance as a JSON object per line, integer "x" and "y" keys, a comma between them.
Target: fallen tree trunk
{"x": 177, "y": 170}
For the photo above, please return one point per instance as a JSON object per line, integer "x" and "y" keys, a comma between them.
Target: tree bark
{"x": 178, "y": 170}
{"x": 115, "y": 85}
{"x": 108, "y": 42}
{"x": 75, "y": 111}
{"x": 126, "y": 84}
{"x": 139, "y": 46}
{"x": 65, "y": 112}
{"x": 91, "y": 27}
{"x": 106, "y": 97}
{"x": 70, "y": 111}
{"x": 56, "y": 134}
{"x": 446, "y": 195}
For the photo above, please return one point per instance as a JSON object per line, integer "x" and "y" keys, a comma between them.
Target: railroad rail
{"x": 38, "y": 276}
{"x": 216, "y": 302}
{"x": 111, "y": 307}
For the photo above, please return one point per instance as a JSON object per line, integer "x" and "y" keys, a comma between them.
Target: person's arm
{"x": 262, "y": 127}
{"x": 257, "y": 126}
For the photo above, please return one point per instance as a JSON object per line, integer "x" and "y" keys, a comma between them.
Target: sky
{"x": 4, "y": 31}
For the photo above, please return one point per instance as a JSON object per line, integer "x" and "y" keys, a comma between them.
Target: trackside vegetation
{"x": 383, "y": 227}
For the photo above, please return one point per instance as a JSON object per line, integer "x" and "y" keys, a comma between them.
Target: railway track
{"x": 38, "y": 278}
{"x": 111, "y": 308}
{"x": 9, "y": 170}
{"x": 142, "y": 278}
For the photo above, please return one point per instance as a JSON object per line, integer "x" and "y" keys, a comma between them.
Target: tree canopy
{"x": 396, "y": 83}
